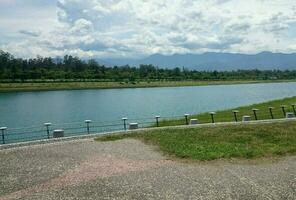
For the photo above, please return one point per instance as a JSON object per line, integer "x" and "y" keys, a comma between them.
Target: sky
{"x": 139, "y": 28}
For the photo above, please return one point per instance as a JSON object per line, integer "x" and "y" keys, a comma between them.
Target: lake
{"x": 25, "y": 109}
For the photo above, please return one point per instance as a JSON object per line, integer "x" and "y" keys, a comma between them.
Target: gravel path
{"x": 128, "y": 169}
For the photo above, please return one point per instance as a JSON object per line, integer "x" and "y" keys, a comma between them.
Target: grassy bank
{"x": 42, "y": 86}
{"x": 231, "y": 141}
{"x": 239, "y": 141}
{"x": 227, "y": 115}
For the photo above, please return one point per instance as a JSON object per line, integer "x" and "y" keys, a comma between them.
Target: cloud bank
{"x": 137, "y": 28}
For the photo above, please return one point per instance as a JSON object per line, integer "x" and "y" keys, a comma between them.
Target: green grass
{"x": 215, "y": 142}
{"x": 228, "y": 116}
{"x": 227, "y": 141}
{"x": 40, "y": 86}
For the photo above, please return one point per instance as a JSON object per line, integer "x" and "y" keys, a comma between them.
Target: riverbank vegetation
{"x": 263, "y": 113}
{"x": 77, "y": 85}
{"x": 216, "y": 142}
{"x": 70, "y": 72}
{"x": 73, "y": 69}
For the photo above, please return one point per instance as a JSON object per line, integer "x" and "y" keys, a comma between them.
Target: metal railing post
{"x": 270, "y": 111}
{"x": 255, "y": 113}
{"x": 212, "y": 116}
{"x": 186, "y": 118}
{"x": 293, "y": 106}
{"x": 87, "y": 125}
{"x": 47, "y": 129}
{"x": 284, "y": 110}
{"x": 124, "y": 122}
{"x": 157, "y": 120}
{"x": 235, "y": 114}
{"x": 2, "y": 133}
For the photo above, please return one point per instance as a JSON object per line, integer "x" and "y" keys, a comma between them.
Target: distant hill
{"x": 216, "y": 61}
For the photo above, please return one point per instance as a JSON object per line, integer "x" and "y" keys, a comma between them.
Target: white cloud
{"x": 82, "y": 27}
{"x": 132, "y": 28}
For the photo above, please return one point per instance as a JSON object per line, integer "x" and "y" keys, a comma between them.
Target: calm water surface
{"x": 22, "y": 109}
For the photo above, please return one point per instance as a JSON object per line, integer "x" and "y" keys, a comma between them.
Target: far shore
{"x": 51, "y": 86}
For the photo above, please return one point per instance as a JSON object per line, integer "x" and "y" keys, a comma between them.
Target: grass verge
{"x": 43, "y": 86}
{"x": 215, "y": 142}
{"x": 228, "y": 116}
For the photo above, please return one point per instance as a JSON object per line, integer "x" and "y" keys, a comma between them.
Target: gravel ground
{"x": 128, "y": 169}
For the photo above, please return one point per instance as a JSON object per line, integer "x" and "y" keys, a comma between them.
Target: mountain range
{"x": 213, "y": 61}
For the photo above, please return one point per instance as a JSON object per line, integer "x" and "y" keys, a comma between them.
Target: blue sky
{"x": 138, "y": 28}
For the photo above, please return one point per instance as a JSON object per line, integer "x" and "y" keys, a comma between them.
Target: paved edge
{"x": 90, "y": 136}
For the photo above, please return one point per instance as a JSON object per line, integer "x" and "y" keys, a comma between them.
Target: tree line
{"x": 73, "y": 68}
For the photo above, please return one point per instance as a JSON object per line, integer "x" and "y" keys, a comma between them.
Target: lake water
{"x": 23, "y": 109}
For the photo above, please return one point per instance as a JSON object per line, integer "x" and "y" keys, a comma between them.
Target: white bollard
{"x": 246, "y": 118}
{"x": 133, "y": 126}
{"x": 58, "y": 133}
{"x": 289, "y": 115}
{"x": 193, "y": 121}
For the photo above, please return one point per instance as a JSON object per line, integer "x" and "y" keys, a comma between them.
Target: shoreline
{"x": 57, "y": 86}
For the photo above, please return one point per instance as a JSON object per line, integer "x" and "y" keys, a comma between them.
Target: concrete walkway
{"x": 128, "y": 169}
